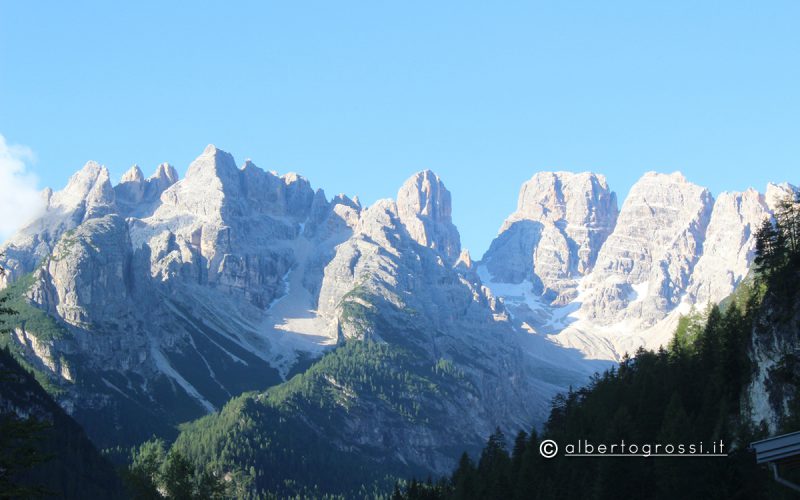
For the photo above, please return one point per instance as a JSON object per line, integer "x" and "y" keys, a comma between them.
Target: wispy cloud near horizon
{"x": 20, "y": 199}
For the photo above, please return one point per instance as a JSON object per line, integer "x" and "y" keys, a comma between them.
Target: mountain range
{"x": 159, "y": 300}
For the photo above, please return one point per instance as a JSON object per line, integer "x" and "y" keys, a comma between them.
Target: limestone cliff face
{"x": 393, "y": 281}
{"x": 671, "y": 247}
{"x": 423, "y": 205}
{"x": 774, "y": 353}
{"x": 554, "y": 236}
{"x": 176, "y": 294}
{"x": 656, "y": 244}
{"x": 157, "y": 300}
{"x": 137, "y": 196}
{"x": 87, "y": 277}
{"x": 88, "y": 194}
{"x": 729, "y": 246}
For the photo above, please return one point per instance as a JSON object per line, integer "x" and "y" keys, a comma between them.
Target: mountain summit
{"x": 161, "y": 299}
{"x": 423, "y": 204}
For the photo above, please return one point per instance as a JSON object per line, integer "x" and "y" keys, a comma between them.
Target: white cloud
{"x": 20, "y": 200}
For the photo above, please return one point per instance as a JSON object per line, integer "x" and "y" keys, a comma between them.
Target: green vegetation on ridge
{"x": 43, "y": 451}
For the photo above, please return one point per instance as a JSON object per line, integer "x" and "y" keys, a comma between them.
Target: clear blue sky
{"x": 357, "y": 96}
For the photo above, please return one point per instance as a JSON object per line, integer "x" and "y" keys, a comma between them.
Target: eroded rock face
{"x": 656, "y": 244}
{"x": 175, "y": 295}
{"x": 88, "y": 272}
{"x": 423, "y": 204}
{"x": 773, "y": 350}
{"x": 88, "y": 194}
{"x": 391, "y": 283}
{"x": 729, "y": 246}
{"x": 137, "y": 196}
{"x": 776, "y": 193}
{"x": 554, "y": 236}
{"x": 672, "y": 247}
{"x": 226, "y": 227}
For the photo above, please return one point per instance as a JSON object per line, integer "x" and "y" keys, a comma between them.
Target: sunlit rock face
{"x": 424, "y": 207}
{"x": 173, "y": 295}
{"x": 156, "y": 300}
{"x": 554, "y": 237}
{"x": 657, "y": 241}
{"x": 671, "y": 247}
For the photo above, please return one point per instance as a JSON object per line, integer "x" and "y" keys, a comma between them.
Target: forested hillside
{"x": 44, "y": 452}
{"x": 688, "y": 393}
{"x": 268, "y": 443}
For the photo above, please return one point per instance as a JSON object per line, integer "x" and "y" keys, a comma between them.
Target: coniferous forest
{"x": 43, "y": 451}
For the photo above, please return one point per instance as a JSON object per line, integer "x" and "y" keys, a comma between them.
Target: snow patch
{"x": 292, "y": 324}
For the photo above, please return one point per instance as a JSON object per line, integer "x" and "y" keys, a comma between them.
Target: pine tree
{"x": 770, "y": 248}
{"x": 787, "y": 216}
{"x": 413, "y": 491}
{"x": 210, "y": 487}
{"x": 494, "y": 466}
{"x": 527, "y": 484}
{"x": 143, "y": 474}
{"x": 396, "y": 493}
{"x": 711, "y": 339}
{"x": 464, "y": 479}
{"x": 735, "y": 363}
{"x": 176, "y": 475}
{"x": 520, "y": 444}
{"x": 19, "y": 452}
{"x": 676, "y": 475}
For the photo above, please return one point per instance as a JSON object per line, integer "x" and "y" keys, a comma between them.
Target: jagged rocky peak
{"x": 131, "y": 186}
{"x": 87, "y": 195}
{"x": 89, "y": 187}
{"x": 240, "y": 221}
{"x": 424, "y": 206}
{"x": 164, "y": 177}
{"x": 776, "y": 193}
{"x": 424, "y": 194}
{"x": 46, "y": 195}
{"x": 658, "y": 208}
{"x": 729, "y": 245}
{"x": 343, "y": 199}
{"x": 566, "y": 196}
{"x": 332, "y": 219}
{"x": 137, "y": 196}
{"x": 165, "y": 173}
{"x": 647, "y": 261}
{"x": 210, "y": 186}
{"x": 299, "y": 195}
{"x": 554, "y": 236}
{"x": 269, "y": 193}
{"x": 134, "y": 174}
{"x": 83, "y": 180}
{"x": 293, "y": 177}
{"x": 213, "y": 165}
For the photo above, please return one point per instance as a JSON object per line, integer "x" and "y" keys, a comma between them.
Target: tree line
{"x": 778, "y": 245}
